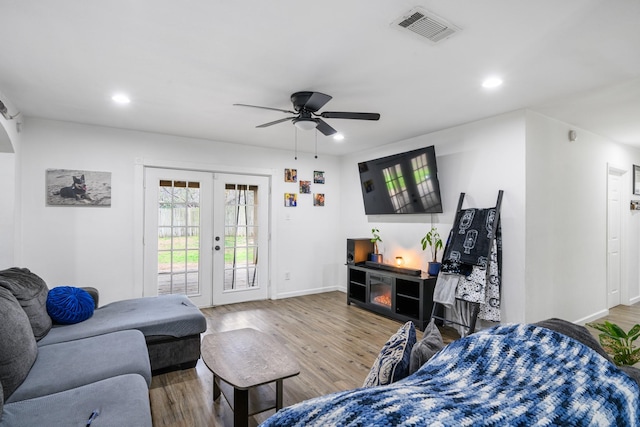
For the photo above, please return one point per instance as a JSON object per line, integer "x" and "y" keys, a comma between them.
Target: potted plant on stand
{"x": 375, "y": 256}
{"x": 433, "y": 240}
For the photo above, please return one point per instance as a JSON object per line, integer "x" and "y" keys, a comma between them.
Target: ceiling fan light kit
{"x": 306, "y": 117}
{"x": 305, "y": 124}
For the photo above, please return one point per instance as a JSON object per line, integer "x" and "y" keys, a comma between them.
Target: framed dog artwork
{"x": 78, "y": 188}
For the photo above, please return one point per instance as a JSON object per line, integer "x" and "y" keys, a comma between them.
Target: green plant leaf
{"x": 634, "y": 333}
{"x": 616, "y": 330}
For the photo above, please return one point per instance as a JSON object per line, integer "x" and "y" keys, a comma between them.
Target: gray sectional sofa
{"x": 62, "y": 375}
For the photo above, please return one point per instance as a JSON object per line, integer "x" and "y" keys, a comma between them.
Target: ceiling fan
{"x": 306, "y": 105}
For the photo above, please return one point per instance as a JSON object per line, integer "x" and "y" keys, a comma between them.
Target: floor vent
{"x": 427, "y": 25}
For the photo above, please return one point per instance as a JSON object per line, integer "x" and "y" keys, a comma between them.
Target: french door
{"x": 177, "y": 234}
{"x": 241, "y": 236}
{"x": 206, "y": 236}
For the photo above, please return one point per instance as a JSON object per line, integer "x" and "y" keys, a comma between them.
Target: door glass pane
{"x": 241, "y": 230}
{"x": 178, "y": 237}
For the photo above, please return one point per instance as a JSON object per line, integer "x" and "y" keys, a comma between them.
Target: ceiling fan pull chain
{"x": 316, "y": 156}
{"x": 296, "y": 143}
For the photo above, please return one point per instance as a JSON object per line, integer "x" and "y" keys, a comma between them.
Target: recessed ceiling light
{"x": 492, "y": 82}
{"x": 338, "y": 137}
{"x": 121, "y": 98}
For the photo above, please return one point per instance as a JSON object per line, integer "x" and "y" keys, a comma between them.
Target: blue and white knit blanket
{"x": 516, "y": 375}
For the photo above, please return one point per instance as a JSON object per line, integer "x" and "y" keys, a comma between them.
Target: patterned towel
{"x": 517, "y": 375}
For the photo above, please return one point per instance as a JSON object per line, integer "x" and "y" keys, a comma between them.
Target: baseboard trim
{"x": 292, "y": 294}
{"x": 634, "y": 300}
{"x": 592, "y": 317}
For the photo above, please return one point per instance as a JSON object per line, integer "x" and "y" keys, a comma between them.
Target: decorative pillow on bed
{"x": 392, "y": 364}
{"x": 426, "y": 348}
{"x": 31, "y": 292}
{"x": 68, "y": 305}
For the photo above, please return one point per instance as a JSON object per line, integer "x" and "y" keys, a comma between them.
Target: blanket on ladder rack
{"x": 516, "y": 375}
{"x": 472, "y": 248}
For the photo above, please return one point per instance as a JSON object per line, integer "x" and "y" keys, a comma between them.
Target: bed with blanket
{"x": 513, "y": 375}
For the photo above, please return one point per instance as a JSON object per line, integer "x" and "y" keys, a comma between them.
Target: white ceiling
{"x": 184, "y": 63}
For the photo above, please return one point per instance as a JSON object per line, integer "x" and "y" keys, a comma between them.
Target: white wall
{"x": 566, "y": 226}
{"x": 91, "y": 246}
{"x": 7, "y": 218}
{"x": 9, "y": 145}
{"x": 478, "y": 159}
{"x": 553, "y": 212}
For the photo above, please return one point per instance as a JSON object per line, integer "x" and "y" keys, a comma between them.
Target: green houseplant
{"x": 433, "y": 240}
{"x": 618, "y": 343}
{"x": 375, "y": 256}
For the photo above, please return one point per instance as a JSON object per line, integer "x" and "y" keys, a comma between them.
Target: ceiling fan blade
{"x": 274, "y": 122}
{"x": 325, "y": 128}
{"x": 265, "y": 108}
{"x": 316, "y": 101}
{"x": 347, "y": 115}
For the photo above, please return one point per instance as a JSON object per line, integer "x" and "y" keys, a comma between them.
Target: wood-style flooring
{"x": 335, "y": 345}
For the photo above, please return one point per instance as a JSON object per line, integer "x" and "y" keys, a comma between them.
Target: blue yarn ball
{"x": 68, "y": 305}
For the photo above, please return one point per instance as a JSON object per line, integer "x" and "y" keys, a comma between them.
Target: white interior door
{"x": 178, "y": 234}
{"x": 614, "y": 211}
{"x": 241, "y": 238}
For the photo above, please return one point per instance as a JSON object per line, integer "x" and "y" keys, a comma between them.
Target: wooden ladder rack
{"x": 474, "y": 306}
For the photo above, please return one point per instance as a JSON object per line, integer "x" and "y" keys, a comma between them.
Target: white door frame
{"x": 138, "y": 212}
{"x": 623, "y": 221}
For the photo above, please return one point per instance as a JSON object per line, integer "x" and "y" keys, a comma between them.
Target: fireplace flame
{"x": 384, "y": 299}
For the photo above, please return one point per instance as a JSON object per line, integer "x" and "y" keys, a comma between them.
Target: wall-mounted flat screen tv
{"x": 405, "y": 183}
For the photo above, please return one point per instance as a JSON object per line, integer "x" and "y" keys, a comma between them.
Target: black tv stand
{"x": 402, "y": 297}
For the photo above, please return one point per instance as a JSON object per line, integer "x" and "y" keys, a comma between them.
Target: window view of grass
{"x": 187, "y": 249}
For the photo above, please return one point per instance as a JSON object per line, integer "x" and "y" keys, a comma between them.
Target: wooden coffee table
{"x": 244, "y": 362}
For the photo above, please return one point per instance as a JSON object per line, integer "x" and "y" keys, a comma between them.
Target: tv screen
{"x": 405, "y": 183}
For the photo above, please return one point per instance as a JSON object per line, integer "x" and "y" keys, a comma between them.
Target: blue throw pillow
{"x": 392, "y": 364}
{"x": 68, "y": 305}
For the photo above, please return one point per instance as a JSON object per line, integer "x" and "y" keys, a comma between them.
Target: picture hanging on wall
{"x": 65, "y": 187}
{"x": 290, "y": 175}
{"x": 290, "y": 200}
{"x": 318, "y": 199}
{"x": 305, "y": 187}
{"x": 318, "y": 177}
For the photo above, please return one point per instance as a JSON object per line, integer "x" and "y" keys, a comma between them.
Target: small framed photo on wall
{"x": 290, "y": 200}
{"x": 305, "y": 187}
{"x": 290, "y": 175}
{"x": 318, "y": 199}
{"x": 318, "y": 177}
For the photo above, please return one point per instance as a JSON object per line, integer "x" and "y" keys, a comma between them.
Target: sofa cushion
{"x": 68, "y": 305}
{"x": 170, "y": 315}
{"x": 18, "y": 348}
{"x": 426, "y": 348}
{"x": 1, "y": 400}
{"x": 121, "y": 401}
{"x": 31, "y": 291}
{"x": 392, "y": 364}
{"x": 71, "y": 364}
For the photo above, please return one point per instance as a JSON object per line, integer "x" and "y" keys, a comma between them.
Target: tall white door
{"x": 178, "y": 234}
{"x": 614, "y": 211}
{"x": 241, "y": 238}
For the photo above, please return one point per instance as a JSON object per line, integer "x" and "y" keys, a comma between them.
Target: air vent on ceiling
{"x": 426, "y": 24}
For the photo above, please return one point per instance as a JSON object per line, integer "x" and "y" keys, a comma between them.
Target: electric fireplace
{"x": 404, "y": 297}
{"x": 380, "y": 291}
